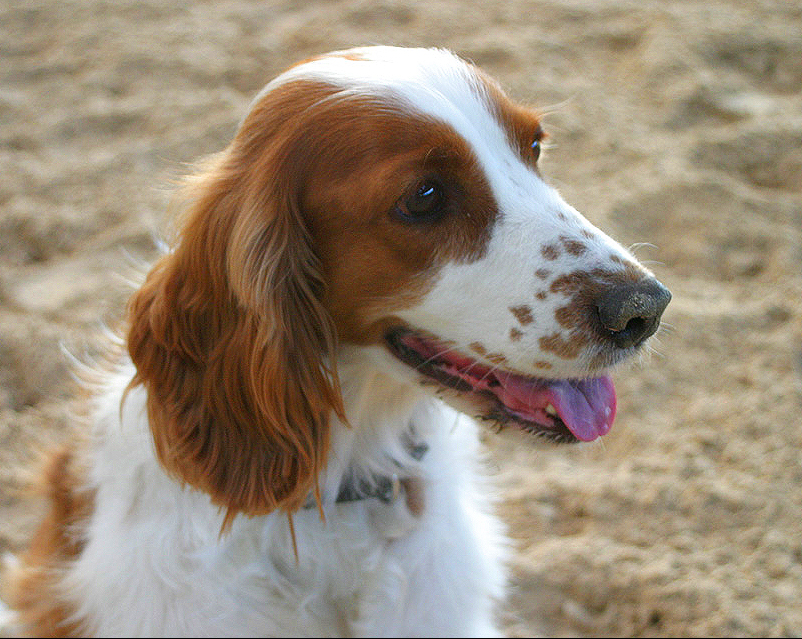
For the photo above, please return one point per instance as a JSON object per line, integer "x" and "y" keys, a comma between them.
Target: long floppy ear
{"x": 231, "y": 340}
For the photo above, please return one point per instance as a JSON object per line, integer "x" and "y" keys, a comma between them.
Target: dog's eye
{"x": 536, "y": 148}
{"x": 425, "y": 203}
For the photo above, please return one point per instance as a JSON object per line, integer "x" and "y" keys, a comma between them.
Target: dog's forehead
{"x": 434, "y": 83}
{"x": 428, "y": 80}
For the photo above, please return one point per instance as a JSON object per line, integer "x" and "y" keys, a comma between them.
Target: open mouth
{"x": 561, "y": 410}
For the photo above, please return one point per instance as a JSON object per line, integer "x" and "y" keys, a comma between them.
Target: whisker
{"x": 551, "y": 109}
{"x": 492, "y": 370}
{"x": 599, "y": 441}
{"x": 634, "y": 248}
{"x": 653, "y": 351}
{"x": 665, "y": 329}
{"x": 437, "y": 355}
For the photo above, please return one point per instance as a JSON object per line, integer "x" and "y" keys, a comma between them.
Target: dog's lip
{"x": 561, "y": 409}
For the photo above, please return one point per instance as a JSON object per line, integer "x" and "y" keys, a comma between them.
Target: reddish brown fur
{"x": 521, "y": 123}
{"x": 289, "y": 245}
{"x": 43, "y": 610}
{"x": 376, "y": 264}
{"x": 230, "y": 337}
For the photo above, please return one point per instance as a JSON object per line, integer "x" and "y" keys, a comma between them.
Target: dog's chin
{"x": 548, "y": 410}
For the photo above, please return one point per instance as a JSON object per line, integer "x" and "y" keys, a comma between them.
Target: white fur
{"x": 7, "y": 620}
{"x": 156, "y": 565}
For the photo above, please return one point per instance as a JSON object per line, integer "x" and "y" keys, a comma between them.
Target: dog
{"x": 372, "y": 270}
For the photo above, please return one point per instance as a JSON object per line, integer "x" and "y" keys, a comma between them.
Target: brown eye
{"x": 536, "y": 148}
{"x": 426, "y": 203}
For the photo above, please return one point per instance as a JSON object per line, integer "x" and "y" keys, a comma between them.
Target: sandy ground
{"x": 677, "y": 124}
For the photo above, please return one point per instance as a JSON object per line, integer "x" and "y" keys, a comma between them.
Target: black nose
{"x": 630, "y": 312}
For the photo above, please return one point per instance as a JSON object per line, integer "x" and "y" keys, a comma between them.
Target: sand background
{"x": 677, "y": 124}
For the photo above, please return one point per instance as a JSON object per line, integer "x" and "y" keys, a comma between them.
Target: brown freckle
{"x": 574, "y": 247}
{"x": 543, "y": 273}
{"x": 550, "y": 251}
{"x": 541, "y": 295}
{"x": 476, "y": 347}
{"x": 615, "y": 259}
{"x": 522, "y": 313}
{"x": 543, "y": 365}
{"x": 565, "y": 348}
{"x": 587, "y": 234}
{"x": 568, "y": 316}
{"x": 515, "y": 334}
{"x": 496, "y": 358}
{"x": 569, "y": 283}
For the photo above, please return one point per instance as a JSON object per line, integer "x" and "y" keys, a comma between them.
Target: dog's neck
{"x": 386, "y": 421}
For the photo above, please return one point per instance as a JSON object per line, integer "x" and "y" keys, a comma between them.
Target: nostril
{"x": 636, "y": 330}
{"x": 630, "y": 313}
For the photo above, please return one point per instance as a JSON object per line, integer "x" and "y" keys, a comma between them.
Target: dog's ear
{"x": 231, "y": 340}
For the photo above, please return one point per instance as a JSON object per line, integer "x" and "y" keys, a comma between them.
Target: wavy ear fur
{"x": 230, "y": 337}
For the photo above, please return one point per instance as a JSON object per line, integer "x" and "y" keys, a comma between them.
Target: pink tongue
{"x": 587, "y": 407}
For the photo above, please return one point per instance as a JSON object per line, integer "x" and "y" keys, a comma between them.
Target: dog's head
{"x": 377, "y": 196}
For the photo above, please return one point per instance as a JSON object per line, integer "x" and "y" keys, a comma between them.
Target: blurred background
{"x": 675, "y": 126}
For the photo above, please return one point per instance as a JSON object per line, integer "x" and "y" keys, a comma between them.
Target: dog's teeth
{"x": 550, "y": 410}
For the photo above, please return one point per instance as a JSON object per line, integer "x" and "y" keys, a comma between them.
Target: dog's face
{"x": 382, "y": 198}
{"x": 439, "y": 238}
